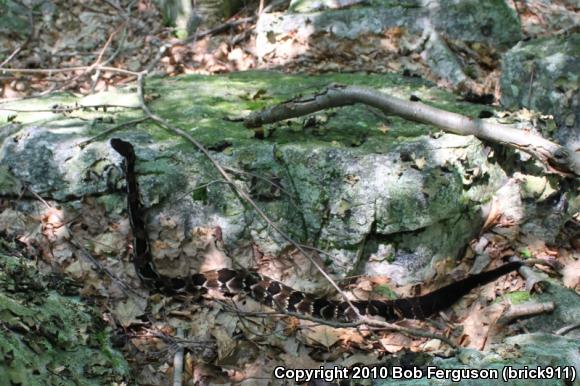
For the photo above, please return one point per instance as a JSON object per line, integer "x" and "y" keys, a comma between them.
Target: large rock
{"x": 385, "y": 32}
{"x": 544, "y": 75}
{"x": 350, "y": 185}
{"x": 491, "y": 22}
{"x": 49, "y": 336}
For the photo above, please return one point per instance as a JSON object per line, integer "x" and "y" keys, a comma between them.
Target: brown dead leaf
{"x": 53, "y": 225}
{"x": 292, "y": 325}
{"x": 351, "y": 336}
{"x": 477, "y": 325}
{"x": 77, "y": 270}
{"x": 321, "y": 335}
{"x": 108, "y": 243}
{"x": 225, "y": 343}
{"x": 493, "y": 215}
{"x": 299, "y": 359}
{"x": 360, "y": 359}
{"x": 257, "y": 373}
{"x": 127, "y": 311}
{"x": 213, "y": 256}
{"x": 571, "y": 274}
{"x": 395, "y": 342}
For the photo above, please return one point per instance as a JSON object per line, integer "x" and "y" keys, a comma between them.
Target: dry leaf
{"x": 322, "y": 335}
{"x": 395, "y": 342}
{"x": 127, "y": 311}
{"x": 477, "y": 325}
{"x": 383, "y": 128}
{"x": 571, "y": 274}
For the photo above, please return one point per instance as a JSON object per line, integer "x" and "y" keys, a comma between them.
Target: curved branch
{"x": 556, "y": 157}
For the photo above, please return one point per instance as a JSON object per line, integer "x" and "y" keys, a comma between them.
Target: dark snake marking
{"x": 275, "y": 294}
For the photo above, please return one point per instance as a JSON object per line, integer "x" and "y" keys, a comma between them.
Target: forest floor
{"x": 83, "y": 49}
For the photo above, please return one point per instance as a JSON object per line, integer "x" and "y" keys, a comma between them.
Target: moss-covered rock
{"x": 48, "y": 337}
{"x": 543, "y": 75}
{"x": 345, "y": 179}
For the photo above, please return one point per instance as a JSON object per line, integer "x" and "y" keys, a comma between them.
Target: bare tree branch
{"x": 557, "y": 158}
{"x": 523, "y": 310}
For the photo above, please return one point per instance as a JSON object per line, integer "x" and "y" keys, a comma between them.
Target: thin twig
{"x": 131, "y": 122}
{"x": 240, "y": 315}
{"x": 201, "y": 186}
{"x": 72, "y": 241}
{"x": 269, "y": 181}
{"x": 99, "y": 268}
{"x": 219, "y": 28}
{"x": 566, "y": 329}
{"x": 51, "y": 71}
{"x": 26, "y": 42}
{"x": 38, "y": 197}
{"x": 97, "y": 61}
{"x": 116, "y": 7}
{"x": 178, "y": 361}
{"x": 377, "y": 324}
{"x": 530, "y": 88}
{"x": 67, "y": 109}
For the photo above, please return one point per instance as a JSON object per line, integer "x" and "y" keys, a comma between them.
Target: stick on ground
{"x": 557, "y": 158}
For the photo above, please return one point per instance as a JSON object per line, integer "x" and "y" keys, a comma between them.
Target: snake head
{"x": 125, "y": 149}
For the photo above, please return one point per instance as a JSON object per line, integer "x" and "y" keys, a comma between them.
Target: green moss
{"x": 199, "y": 104}
{"x": 385, "y": 291}
{"x": 200, "y": 194}
{"x": 518, "y": 297}
{"x": 525, "y": 252}
{"x": 48, "y": 338}
{"x": 112, "y": 202}
{"x": 8, "y": 183}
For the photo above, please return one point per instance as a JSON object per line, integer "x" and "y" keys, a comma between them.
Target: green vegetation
{"x": 49, "y": 338}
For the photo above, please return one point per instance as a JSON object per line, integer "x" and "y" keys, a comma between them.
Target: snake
{"x": 275, "y": 294}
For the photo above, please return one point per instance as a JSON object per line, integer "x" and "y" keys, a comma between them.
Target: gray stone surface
{"x": 491, "y": 22}
{"x": 544, "y": 75}
{"x": 353, "y": 194}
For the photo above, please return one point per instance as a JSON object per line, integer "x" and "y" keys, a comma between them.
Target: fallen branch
{"x": 557, "y": 158}
{"x": 514, "y": 312}
{"x": 533, "y": 280}
{"x": 525, "y": 310}
{"x": 373, "y": 324}
{"x": 566, "y": 329}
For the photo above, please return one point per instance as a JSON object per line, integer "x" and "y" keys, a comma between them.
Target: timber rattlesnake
{"x": 275, "y": 294}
